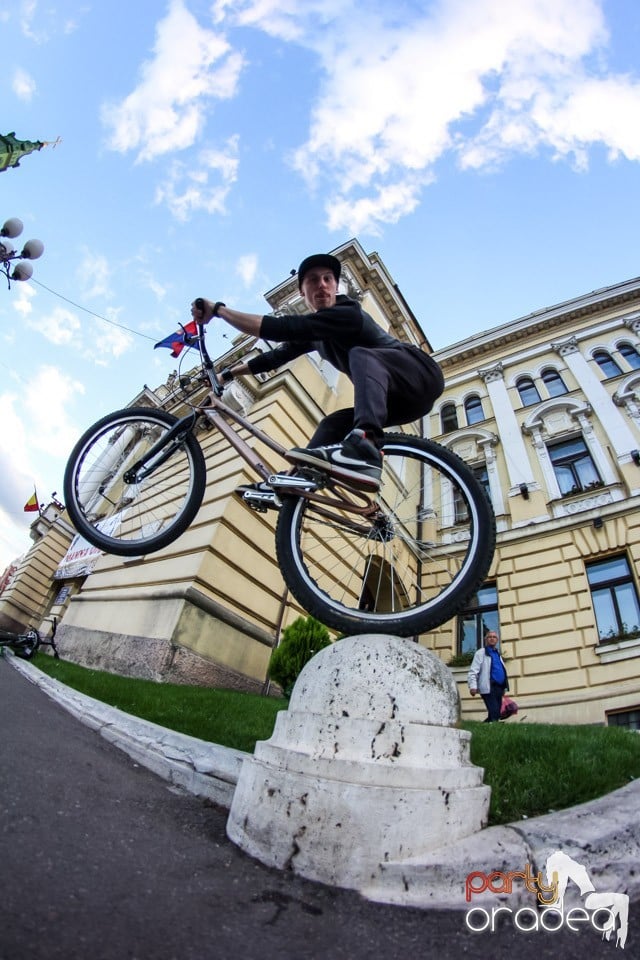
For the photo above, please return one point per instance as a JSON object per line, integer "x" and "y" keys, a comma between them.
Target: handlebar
{"x": 207, "y": 362}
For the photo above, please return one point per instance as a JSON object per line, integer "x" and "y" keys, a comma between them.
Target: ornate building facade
{"x": 545, "y": 410}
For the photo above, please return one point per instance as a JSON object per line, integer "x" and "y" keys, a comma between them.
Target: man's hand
{"x": 202, "y": 310}
{"x": 473, "y": 692}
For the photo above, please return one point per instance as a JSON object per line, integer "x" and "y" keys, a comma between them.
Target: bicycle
{"x": 403, "y": 560}
{"x": 24, "y": 645}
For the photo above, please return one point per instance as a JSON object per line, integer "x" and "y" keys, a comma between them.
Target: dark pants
{"x": 391, "y": 385}
{"x": 493, "y": 701}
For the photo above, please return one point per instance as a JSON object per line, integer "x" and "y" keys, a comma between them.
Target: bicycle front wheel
{"x": 133, "y": 484}
{"x": 407, "y": 567}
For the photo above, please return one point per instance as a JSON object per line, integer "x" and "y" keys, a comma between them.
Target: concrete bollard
{"x": 366, "y": 767}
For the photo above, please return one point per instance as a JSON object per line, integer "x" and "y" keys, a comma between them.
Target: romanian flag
{"x": 32, "y": 504}
{"x": 175, "y": 341}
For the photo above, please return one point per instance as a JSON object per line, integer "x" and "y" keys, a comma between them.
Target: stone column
{"x": 516, "y": 454}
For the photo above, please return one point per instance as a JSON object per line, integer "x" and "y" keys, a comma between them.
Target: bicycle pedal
{"x": 261, "y": 500}
{"x": 285, "y": 481}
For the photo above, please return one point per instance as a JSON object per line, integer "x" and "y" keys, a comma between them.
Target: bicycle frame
{"x": 353, "y": 556}
{"x": 223, "y": 418}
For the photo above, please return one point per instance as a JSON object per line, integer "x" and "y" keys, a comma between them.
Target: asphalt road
{"x": 101, "y": 860}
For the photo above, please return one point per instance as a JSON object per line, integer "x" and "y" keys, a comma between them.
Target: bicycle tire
{"x": 413, "y": 567}
{"x": 125, "y": 515}
{"x": 28, "y": 645}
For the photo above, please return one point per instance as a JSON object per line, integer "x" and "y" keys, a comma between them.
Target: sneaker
{"x": 356, "y": 459}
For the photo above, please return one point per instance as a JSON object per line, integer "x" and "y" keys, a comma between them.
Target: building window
{"x": 473, "y": 410}
{"x": 554, "y": 383}
{"x": 625, "y": 718}
{"x": 482, "y": 476}
{"x": 461, "y": 513}
{"x": 573, "y": 466}
{"x": 630, "y": 354}
{"x": 479, "y": 617}
{"x": 606, "y": 363}
{"x": 615, "y": 599}
{"x": 528, "y": 391}
{"x": 449, "y": 418}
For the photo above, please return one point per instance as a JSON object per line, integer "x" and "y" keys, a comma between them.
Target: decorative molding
{"x": 495, "y": 372}
{"x": 565, "y": 347}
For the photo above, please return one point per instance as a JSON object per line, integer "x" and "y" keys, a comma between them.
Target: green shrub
{"x": 461, "y": 659}
{"x": 300, "y": 641}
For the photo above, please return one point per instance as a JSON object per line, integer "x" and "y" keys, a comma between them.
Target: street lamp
{"x": 22, "y": 270}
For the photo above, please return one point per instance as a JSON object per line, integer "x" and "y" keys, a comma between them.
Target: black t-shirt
{"x": 332, "y": 333}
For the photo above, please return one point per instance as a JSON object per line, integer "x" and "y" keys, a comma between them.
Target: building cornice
{"x": 548, "y": 320}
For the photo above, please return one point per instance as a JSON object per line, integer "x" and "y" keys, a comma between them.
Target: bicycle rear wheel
{"x": 407, "y": 568}
{"x": 27, "y": 645}
{"x": 130, "y": 486}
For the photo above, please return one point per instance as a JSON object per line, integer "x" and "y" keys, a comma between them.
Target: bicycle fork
{"x": 161, "y": 451}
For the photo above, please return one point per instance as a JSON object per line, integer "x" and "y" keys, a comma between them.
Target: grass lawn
{"x": 532, "y": 768}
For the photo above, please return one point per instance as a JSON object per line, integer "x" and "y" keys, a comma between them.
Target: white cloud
{"x": 109, "y": 341}
{"x": 24, "y": 294}
{"x": 60, "y": 327}
{"x": 247, "y": 268}
{"x": 35, "y": 427}
{"x": 94, "y": 275}
{"x": 387, "y": 204}
{"x": 23, "y": 85}
{"x": 290, "y": 20}
{"x": 191, "y": 66}
{"x": 95, "y": 340}
{"x": 45, "y": 407}
{"x": 202, "y": 184}
{"x": 13, "y": 446}
{"x": 157, "y": 288}
{"x": 28, "y": 12}
{"x": 477, "y": 80}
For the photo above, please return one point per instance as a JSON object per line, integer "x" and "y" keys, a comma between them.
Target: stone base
{"x": 148, "y": 659}
{"x": 367, "y": 767}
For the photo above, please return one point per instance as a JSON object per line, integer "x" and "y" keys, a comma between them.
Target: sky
{"x": 488, "y": 150}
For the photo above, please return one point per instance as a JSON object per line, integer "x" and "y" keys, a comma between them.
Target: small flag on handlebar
{"x": 176, "y": 341}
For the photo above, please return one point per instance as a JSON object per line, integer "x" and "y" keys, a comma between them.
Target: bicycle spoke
{"x": 406, "y": 565}
{"x": 131, "y": 485}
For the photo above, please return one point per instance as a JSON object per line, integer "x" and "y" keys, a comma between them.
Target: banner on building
{"x": 79, "y": 560}
{"x": 81, "y": 557}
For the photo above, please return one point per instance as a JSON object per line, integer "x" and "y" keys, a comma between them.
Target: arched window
{"x": 630, "y": 354}
{"x": 449, "y": 418}
{"x": 553, "y": 382}
{"x": 606, "y": 363}
{"x": 528, "y": 391}
{"x": 473, "y": 409}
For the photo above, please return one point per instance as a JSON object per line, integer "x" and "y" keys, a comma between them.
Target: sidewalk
{"x": 606, "y": 831}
